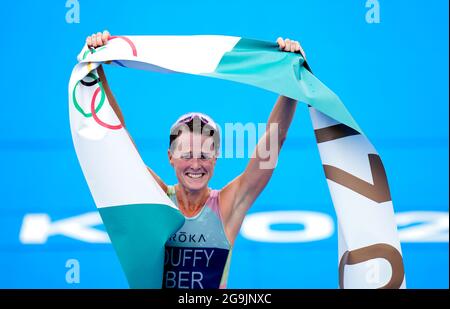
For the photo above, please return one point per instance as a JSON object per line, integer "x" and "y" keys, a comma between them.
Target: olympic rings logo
{"x": 96, "y": 80}
{"x": 93, "y": 110}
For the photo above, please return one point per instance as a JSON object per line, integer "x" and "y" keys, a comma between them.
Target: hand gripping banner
{"x": 137, "y": 214}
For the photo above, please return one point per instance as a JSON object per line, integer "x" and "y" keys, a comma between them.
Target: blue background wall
{"x": 393, "y": 77}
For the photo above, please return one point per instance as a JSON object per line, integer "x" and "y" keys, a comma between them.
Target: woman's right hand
{"x": 97, "y": 40}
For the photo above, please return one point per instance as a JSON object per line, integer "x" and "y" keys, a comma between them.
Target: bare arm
{"x": 238, "y": 196}
{"x": 101, "y": 39}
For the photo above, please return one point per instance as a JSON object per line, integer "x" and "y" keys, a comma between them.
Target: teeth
{"x": 194, "y": 175}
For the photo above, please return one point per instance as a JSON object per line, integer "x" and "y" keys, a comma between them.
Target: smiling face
{"x": 193, "y": 159}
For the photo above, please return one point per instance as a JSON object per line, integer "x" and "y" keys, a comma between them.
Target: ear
{"x": 170, "y": 156}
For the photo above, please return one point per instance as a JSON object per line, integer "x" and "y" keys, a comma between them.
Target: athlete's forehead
{"x": 191, "y": 141}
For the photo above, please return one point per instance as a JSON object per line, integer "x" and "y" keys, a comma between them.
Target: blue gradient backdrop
{"x": 393, "y": 77}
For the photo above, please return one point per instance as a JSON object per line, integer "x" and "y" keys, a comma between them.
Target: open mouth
{"x": 195, "y": 175}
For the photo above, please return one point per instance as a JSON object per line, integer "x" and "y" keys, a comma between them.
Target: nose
{"x": 195, "y": 163}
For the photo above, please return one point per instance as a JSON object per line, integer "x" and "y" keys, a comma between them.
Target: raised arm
{"x": 97, "y": 40}
{"x": 238, "y": 196}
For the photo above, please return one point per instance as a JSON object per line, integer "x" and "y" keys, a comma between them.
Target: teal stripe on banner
{"x": 139, "y": 242}
{"x": 262, "y": 64}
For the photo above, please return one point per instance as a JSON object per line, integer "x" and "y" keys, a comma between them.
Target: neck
{"x": 191, "y": 200}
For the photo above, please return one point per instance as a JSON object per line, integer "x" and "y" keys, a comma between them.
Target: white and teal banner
{"x": 138, "y": 215}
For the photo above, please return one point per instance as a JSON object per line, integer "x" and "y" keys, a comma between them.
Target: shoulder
{"x": 227, "y": 199}
{"x": 229, "y": 195}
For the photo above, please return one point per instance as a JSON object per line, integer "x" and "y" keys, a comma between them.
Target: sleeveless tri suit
{"x": 198, "y": 255}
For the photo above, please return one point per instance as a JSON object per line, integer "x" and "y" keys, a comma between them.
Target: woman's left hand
{"x": 290, "y": 46}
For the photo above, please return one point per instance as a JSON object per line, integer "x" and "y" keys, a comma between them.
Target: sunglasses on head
{"x": 191, "y": 117}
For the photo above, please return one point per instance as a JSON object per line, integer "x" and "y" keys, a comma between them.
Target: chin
{"x": 195, "y": 188}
